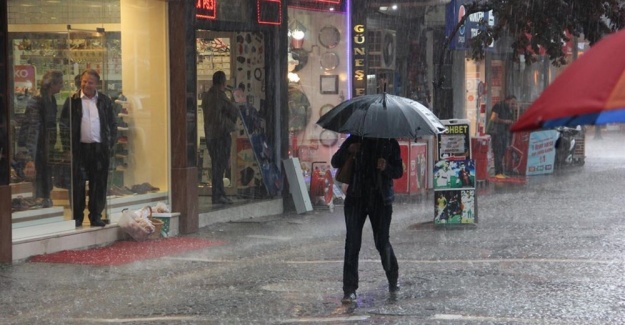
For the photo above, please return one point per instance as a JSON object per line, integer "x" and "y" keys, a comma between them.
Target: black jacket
{"x": 367, "y": 179}
{"x": 71, "y": 116}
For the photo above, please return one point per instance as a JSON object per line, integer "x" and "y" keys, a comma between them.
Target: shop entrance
{"x": 241, "y": 56}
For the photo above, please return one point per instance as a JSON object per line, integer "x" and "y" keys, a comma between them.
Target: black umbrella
{"x": 382, "y": 116}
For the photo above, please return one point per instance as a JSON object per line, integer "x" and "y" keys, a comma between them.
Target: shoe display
{"x": 144, "y": 188}
{"x": 349, "y": 298}
{"x": 122, "y": 126}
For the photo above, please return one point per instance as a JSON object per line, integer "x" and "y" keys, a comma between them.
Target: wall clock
{"x": 329, "y": 37}
{"x": 328, "y": 138}
{"x": 324, "y": 109}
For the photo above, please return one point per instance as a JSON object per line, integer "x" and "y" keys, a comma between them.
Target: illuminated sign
{"x": 206, "y": 9}
{"x": 319, "y": 5}
{"x": 359, "y": 56}
{"x": 269, "y": 12}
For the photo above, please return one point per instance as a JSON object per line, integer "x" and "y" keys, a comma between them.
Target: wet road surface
{"x": 546, "y": 252}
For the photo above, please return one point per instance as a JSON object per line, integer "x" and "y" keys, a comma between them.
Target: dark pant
{"x": 500, "y": 144}
{"x": 356, "y": 211}
{"x": 90, "y": 164}
{"x": 43, "y": 178}
{"x": 219, "y": 151}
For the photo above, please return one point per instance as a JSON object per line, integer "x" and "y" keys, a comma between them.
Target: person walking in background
{"x": 89, "y": 131}
{"x": 370, "y": 193}
{"x": 499, "y": 129}
{"x": 38, "y": 132}
{"x": 220, "y": 116}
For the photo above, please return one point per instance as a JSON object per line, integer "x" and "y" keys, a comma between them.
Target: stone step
{"x": 43, "y": 229}
{"x": 37, "y": 216}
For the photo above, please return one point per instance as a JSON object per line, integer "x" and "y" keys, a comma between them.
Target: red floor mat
{"x": 123, "y": 252}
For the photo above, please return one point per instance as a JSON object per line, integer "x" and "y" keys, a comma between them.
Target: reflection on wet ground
{"x": 545, "y": 252}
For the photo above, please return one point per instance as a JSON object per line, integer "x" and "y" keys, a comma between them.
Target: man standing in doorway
{"x": 89, "y": 124}
{"x": 220, "y": 116}
{"x": 500, "y": 119}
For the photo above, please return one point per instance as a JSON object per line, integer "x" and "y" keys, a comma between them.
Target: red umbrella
{"x": 591, "y": 90}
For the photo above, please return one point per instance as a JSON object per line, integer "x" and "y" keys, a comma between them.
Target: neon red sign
{"x": 206, "y": 9}
{"x": 269, "y": 12}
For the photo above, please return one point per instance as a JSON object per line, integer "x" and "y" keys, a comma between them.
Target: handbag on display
{"x": 345, "y": 172}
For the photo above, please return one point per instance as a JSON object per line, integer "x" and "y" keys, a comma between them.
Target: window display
{"x": 40, "y": 45}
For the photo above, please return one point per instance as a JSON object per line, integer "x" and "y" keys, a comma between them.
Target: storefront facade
{"x": 154, "y": 58}
{"x": 286, "y": 63}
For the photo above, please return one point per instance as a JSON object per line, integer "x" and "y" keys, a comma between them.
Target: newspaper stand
{"x": 455, "y": 202}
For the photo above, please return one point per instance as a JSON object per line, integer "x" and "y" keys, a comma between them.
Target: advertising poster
{"x": 401, "y": 184}
{"x": 247, "y": 167}
{"x": 541, "y": 152}
{"x": 454, "y": 207}
{"x": 455, "y": 144}
{"x": 453, "y": 174}
{"x": 25, "y": 84}
{"x": 418, "y": 167}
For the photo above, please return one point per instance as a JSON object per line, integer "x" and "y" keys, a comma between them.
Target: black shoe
{"x": 46, "y": 203}
{"x": 349, "y": 298}
{"x": 222, "y": 200}
{"x": 98, "y": 223}
{"x": 393, "y": 288}
{"x": 78, "y": 223}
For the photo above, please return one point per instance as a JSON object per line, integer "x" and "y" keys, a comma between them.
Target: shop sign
{"x": 269, "y": 12}
{"x": 455, "y": 11}
{"x": 359, "y": 56}
{"x": 455, "y": 144}
{"x": 206, "y": 9}
{"x": 541, "y": 152}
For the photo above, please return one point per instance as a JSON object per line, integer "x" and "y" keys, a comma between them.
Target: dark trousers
{"x": 43, "y": 178}
{"x": 356, "y": 211}
{"x": 219, "y": 151}
{"x": 500, "y": 144}
{"x": 90, "y": 164}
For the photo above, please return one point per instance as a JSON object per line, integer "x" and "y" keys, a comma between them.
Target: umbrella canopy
{"x": 382, "y": 116}
{"x": 591, "y": 90}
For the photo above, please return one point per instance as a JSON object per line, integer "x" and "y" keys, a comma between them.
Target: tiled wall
{"x": 63, "y": 11}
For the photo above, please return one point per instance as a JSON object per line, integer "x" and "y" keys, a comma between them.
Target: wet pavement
{"x": 546, "y": 252}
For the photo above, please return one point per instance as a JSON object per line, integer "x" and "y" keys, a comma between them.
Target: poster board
{"x": 455, "y": 201}
{"x": 455, "y": 144}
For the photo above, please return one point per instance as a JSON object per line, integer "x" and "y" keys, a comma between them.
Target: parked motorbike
{"x": 565, "y": 147}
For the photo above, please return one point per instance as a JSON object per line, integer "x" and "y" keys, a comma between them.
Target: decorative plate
{"x": 329, "y": 61}
{"x": 299, "y": 110}
{"x": 329, "y": 37}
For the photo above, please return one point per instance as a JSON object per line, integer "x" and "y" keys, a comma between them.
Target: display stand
{"x": 455, "y": 201}
{"x": 263, "y": 156}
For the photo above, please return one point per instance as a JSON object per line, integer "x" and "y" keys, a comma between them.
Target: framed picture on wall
{"x": 329, "y": 84}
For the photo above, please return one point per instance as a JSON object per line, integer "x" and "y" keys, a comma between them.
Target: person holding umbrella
{"x": 370, "y": 193}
